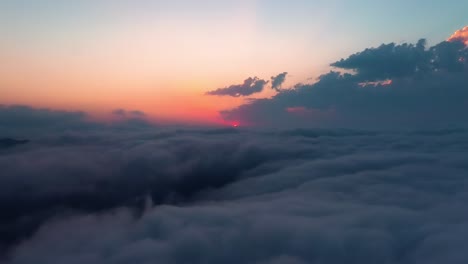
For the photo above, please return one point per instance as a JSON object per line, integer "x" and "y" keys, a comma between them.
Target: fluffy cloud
{"x": 460, "y": 35}
{"x": 412, "y": 87}
{"x": 249, "y": 87}
{"x": 102, "y": 168}
{"x": 387, "y": 61}
{"x": 294, "y": 196}
{"x": 278, "y": 80}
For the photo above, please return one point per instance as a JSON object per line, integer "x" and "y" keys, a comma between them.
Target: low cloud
{"x": 29, "y": 122}
{"x": 17, "y": 120}
{"x": 249, "y": 87}
{"x": 203, "y": 196}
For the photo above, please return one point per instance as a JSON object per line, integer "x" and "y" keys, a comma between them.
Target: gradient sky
{"x": 160, "y": 57}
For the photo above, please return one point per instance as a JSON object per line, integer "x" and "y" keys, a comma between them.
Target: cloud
{"x": 392, "y": 87}
{"x": 128, "y": 114}
{"x": 295, "y": 196}
{"x": 278, "y": 80}
{"x": 387, "y": 61}
{"x": 10, "y": 142}
{"x": 249, "y": 87}
{"x": 107, "y": 168}
{"x": 460, "y": 35}
{"x": 84, "y": 192}
{"x": 28, "y": 122}
{"x": 17, "y": 120}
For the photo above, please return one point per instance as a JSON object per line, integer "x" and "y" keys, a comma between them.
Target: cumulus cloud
{"x": 249, "y": 87}
{"x": 278, "y": 80}
{"x": 296, "y": 196}
{"x": 460, "y": 35}
{"x": 392, "y": 86}
{"x": 387, "y": 61}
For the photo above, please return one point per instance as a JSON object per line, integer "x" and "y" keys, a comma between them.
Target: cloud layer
{"x": 203, "y": 196}
{"x": 25, "y": 121}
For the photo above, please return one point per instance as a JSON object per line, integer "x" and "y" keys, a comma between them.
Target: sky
{"x": 162, "y": 57}
{"x": 189, "y": 131}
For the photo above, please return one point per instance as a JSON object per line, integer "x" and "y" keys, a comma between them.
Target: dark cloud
{"x": 18, "y": 120}
{"x": 387, "y": 61}
{"x": 278, "y": 80}
{"x": 297, "y": 196}
{"x": 392, "y": 87}
{"x": 28, "y": 122}
{"x": 391, "y": 61}
{"x": 11, "y": 142}
{"x": 249, "y": 87}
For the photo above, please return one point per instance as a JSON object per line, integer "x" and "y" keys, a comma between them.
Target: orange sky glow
{"x": 162, "y": 58}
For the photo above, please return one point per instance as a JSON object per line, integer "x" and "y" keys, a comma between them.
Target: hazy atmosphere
{"x": 233, "y": 131}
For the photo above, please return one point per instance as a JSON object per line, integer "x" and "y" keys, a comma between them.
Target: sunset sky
{"x": 233, "y": 131}
{"x": 161, "y": 57}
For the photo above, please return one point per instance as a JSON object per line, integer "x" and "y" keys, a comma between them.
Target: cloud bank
{"x": 235, "y": 196}
{"x": 25, "y": 121}
{"x": 412, "y": 86}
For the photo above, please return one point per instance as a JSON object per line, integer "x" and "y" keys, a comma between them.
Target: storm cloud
{"x": 249, "y": 87}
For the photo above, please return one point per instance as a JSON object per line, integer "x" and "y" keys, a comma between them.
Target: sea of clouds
{"x": 161, "y": 195}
